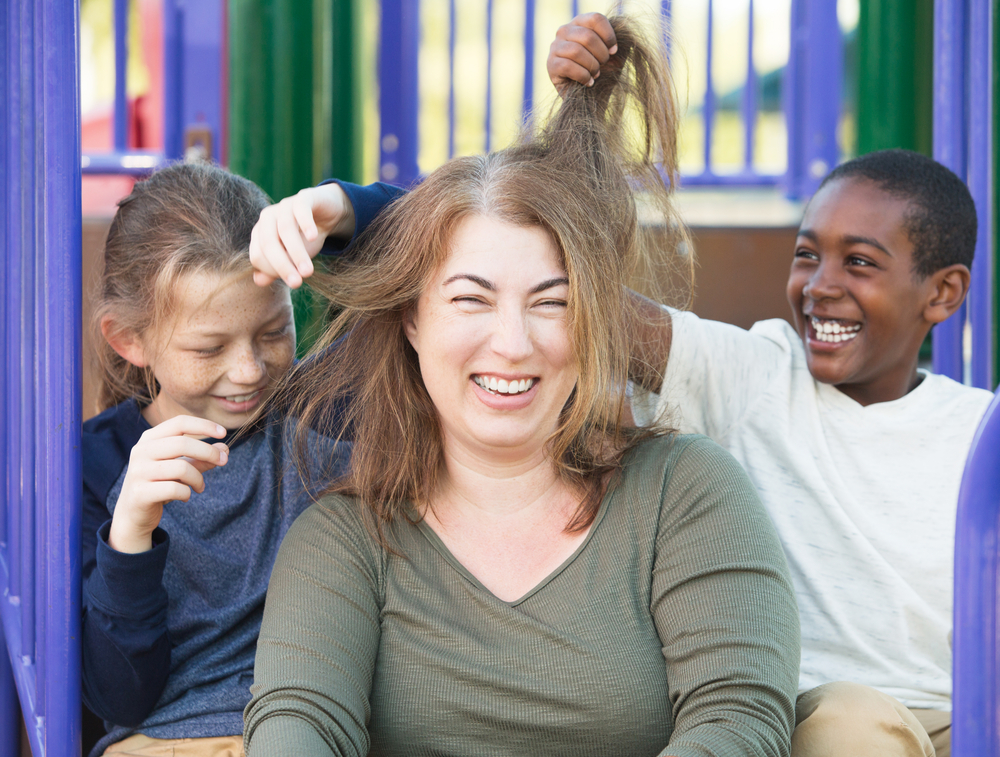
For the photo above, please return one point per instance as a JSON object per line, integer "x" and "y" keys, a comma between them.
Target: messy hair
{"x": 576, "y": 178}
{"x": 185, "y": 218}
{"x": 941, "y": 222}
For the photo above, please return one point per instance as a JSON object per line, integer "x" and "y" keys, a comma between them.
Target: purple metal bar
{"x": 130, "y": 163}
{"x": 201, "y": 34}
{"x": 121, "y": 76}
{"x": 10, "y": 725}
{"x": 41, "y": 407}
{"x": 489, "y": 76}
{"x": 813, "y": 80}
{"x": 575, "y": 8}
{"x": 452, "y": 23}
{"x": 173, "y": 79}
{"x": 398, "y": 89}
{"x": 708, "y": 106}
{"x": 980, "y": 110}
{"x": 950, "y": 149}
{"x": 528, "y": 97}
{"x": 749, "y": 104}
{"x": 976, "y": 660}
{"x": 741, "y": 179}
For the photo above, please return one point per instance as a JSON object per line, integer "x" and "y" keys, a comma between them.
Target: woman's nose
{"x": 512, "y": 337}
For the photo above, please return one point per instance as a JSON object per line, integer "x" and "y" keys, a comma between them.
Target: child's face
{"x": 221, "y": 354}
{"x": 856, "y": 302}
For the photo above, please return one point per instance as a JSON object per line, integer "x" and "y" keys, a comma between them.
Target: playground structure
{"x": 41, "y": 165}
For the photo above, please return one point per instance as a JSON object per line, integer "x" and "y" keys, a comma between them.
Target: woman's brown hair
{"x": 576, "y": 178}
{"x": 185, "y": 218}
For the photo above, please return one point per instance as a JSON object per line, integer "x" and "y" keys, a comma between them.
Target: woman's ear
{"x": 410, "y": 327}
{"x": 124, "y": 341}
{"x": 949, "y": 287}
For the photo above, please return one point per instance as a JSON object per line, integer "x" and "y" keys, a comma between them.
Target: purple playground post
{"x": 488, "y": 120}
{"x": 975, "y": 703}
{"x": 528, "y": 92}
{"x": 950, "y": 149}
{"x": 40, "y": 411}
{"x": 980, "y": 179}
{"x": 399, "y": 91}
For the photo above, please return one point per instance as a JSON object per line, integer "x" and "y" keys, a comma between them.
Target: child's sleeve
{"x": 368, "y": 201}
{"x": 714, "y": 373}
{"x": 126, "y": 648}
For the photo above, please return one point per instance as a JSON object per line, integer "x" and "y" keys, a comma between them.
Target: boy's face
{"x": 856, "y": 302}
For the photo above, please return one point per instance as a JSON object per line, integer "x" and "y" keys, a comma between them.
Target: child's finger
{"x": 175, "y": 447}
{"x": 569, "y": 61}
{"x": 203, "y": 465}
{"x": 303, "y": 211}
{"x": 186, "y": 424}
{"x": 182, "y": 469}
{"x": 158, "y": 492}
{"x": 599, "y": 24}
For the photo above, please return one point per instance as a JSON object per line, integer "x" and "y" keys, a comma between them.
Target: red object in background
{"x": 145, "y": 119}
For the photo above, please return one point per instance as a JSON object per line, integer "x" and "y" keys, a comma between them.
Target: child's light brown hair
{"x": 185, "y": 218}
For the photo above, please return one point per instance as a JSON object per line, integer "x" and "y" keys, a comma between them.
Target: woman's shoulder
{"x": 689, "y": 470}
{"x": 669, "y": 452}
{"x": 335, "y": 524}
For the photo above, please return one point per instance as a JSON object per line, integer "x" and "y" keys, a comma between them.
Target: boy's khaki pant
{"x": 139, "y": 745}
{"x": 843, "y": 719}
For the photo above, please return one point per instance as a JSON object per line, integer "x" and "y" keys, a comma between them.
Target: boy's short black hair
{"x": 941, "y": 222}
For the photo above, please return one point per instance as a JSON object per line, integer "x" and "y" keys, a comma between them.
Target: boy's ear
{"x": 124, "y": 341}
{"x": 950, "y": 285}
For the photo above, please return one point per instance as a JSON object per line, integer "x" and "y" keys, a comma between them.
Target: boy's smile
{"x": 856, "y": 301}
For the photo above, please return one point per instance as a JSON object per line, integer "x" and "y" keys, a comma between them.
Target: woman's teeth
{"x": 834, "y": 331}
{"x": 495, "y": 385}
{"x": 243, "y": 397}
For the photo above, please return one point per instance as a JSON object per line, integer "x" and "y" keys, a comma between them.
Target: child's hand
{"x": 289, "y": 235}
{"x": 166, "y": 464}
{"x": 579, "y": 50}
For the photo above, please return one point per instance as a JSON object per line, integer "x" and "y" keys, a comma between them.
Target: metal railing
{"x": 963, "y": 121}
{"x": 40, "y": 488}
{"x": 812, "y": 85}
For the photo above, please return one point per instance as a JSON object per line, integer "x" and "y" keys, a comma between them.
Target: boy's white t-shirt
{"x": 863, "y": 498}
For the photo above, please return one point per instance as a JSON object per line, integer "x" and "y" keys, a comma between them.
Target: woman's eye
{"x": 553, "y": 303}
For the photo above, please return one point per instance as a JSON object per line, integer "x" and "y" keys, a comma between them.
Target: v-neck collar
{"x": 435, "y": 541}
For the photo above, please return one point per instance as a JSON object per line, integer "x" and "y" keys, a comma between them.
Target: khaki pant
{"x": 139, "y": 745}
{"x": 850, "y": 720}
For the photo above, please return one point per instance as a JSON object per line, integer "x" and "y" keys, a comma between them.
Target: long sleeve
{"x": 725, "y": 612}
{"x": 126, "y": 647}
{"x": 368, "y": 201}
{"x": 318, "y": 641}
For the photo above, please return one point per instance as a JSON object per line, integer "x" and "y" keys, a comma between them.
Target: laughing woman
{"x": 510, "y": 568}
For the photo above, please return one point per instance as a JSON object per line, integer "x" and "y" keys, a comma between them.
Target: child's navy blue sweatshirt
{"x": 169, "y": 635}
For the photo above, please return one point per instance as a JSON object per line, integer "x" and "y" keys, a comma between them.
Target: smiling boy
{"x": 856, "y": 453}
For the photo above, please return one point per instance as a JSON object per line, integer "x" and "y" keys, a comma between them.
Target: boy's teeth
{"x": 502, "y": 386}
{"x": 834, "y": 331}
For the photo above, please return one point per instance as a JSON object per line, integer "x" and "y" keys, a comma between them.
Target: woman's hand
{"x": 165, "y": 465}
{"x": 579, "y": 50}
{"x": 289, "y": 235}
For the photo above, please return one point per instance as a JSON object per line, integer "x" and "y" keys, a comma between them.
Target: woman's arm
{"x": 319, "y": 639}
{"x": 725, "y": 612}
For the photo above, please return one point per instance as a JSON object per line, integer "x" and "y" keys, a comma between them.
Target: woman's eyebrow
{"x": 549, "y": 283}
{"x": 484, "y": 283}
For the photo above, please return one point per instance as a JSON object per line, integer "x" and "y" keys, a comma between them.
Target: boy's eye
{"x": 805, "y": 254}
{"x": 856, "y": 260}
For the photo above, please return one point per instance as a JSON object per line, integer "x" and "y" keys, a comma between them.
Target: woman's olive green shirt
{"x": 671, "y": 630}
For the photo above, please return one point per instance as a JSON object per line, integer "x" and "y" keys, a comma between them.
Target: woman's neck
{"x": 496, "y": 489}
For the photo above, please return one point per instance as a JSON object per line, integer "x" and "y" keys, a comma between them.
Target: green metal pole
{"x": 895, "y": 67}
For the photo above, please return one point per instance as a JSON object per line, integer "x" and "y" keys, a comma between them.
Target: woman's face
{"x": 492, "y": 336}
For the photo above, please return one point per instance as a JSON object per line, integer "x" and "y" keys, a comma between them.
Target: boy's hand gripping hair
{"x": 291, "y": 233}
{"x": 165, "y": 465}
{"x": 579, "y": 50}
